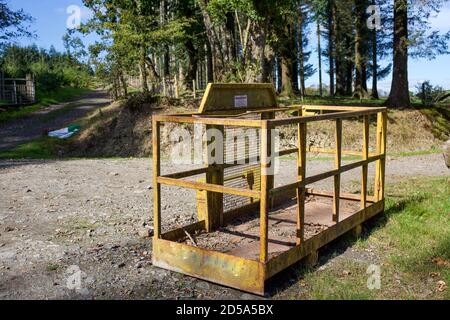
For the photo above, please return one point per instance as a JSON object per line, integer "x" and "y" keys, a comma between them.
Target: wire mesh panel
{"x": 244, "y": 176}
{"x": 241, "y": 150}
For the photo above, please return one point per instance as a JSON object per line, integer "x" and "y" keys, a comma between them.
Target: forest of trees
{"x": 50, "y": 69}
{"x": 266, "y": 41}
{"x": 350, "y": 44}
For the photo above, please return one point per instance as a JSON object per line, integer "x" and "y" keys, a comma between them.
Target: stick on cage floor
{"x": 248, "y": 229}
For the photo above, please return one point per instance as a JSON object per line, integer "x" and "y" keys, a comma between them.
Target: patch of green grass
{"x": 410, "y": 243}
{"x": 45, "y": 99}
{"x": 439, "y": 117}
{"x": 42, "y": 148}
{"x": 433, "y": 150}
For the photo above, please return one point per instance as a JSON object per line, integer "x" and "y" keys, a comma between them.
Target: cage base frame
{"x": 249, "y": 275}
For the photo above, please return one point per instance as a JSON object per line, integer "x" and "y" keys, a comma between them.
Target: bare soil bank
{"x": 123, "y": 131}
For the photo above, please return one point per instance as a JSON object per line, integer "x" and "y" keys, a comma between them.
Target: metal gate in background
{"x": 17, "y": 91}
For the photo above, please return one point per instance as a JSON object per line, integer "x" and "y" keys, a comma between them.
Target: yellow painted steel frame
{"x": 250, "y": 275}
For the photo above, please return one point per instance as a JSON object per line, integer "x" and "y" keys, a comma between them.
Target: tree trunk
{"x": 143, "y": 70}
{"x": 374, "y": 94}
{"x": 258, "y": 45}
{"x": 301, "y": 58}
{"x": 231, "y": 35}
{"x": 166, "y": 60}
{"x": 151, "y": 64}
{"x": 286, "y": 80}
{"x": 286, "y": 45}
{"x": 193, "y": 61}
{"x": 209, "y": 63}
{"x": 214, "y": 43}
{"x": 115, "y": 89}
{"x": 349, "y": 78}
{"x": 331, "y": 38}
{"x": 339, "y": 59}
{"x": 166, "y": 53}
{"x": 340, "y": 74}
{"x": 181, "y": 77}
{"x": 267, "y": 67}
{"x": 360, "y": 51}
{"x": 399, "y": 95}
{"x": 124, "y": 84}
{"x": 319, "y": 51}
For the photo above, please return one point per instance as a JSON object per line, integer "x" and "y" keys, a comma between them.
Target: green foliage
{"x": 131, "y": 30}
{"x": 50, "y": 69}
{"x": 46, "y": 78}
{"x": 13, "y": 24}
{"x": 429, "y": 94}
{"x": 247, "y": 40}
{"x": 424, "y": 42}
{"x": 138, "y": 101}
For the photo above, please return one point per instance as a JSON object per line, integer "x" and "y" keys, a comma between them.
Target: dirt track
{"x": 35, "y": 124}
{"x": 61, "y": 219}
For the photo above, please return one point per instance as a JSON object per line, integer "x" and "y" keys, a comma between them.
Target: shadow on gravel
{"x": 296, "y": 272}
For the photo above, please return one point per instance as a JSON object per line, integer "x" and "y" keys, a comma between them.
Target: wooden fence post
{"x": 14, "y": 92}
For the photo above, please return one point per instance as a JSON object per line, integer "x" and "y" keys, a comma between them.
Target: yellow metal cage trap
{"x": 248, "y": 228}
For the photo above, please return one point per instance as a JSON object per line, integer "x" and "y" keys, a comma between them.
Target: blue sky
{"x": 51, "y": 17}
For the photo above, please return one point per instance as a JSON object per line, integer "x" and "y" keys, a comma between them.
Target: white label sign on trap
{"x": 240, "y": 101}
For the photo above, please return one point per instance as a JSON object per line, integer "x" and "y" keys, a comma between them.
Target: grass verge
{"x": 42, "y": 148}
{"x": 47, "y": 99}
{"x": 410, "y": 244}
{"x": 439, "y": 117}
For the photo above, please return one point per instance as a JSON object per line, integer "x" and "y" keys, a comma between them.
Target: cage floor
{"x": 241, "y": 236}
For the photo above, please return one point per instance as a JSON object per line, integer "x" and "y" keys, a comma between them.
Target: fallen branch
{"x": 190, "y": 238}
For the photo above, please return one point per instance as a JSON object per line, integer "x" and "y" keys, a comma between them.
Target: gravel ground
{"x": 32, "y": 126}
{"x": 77, "y": 229}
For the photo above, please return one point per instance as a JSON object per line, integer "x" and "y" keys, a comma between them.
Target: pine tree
{"x": 412, "y": 31}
